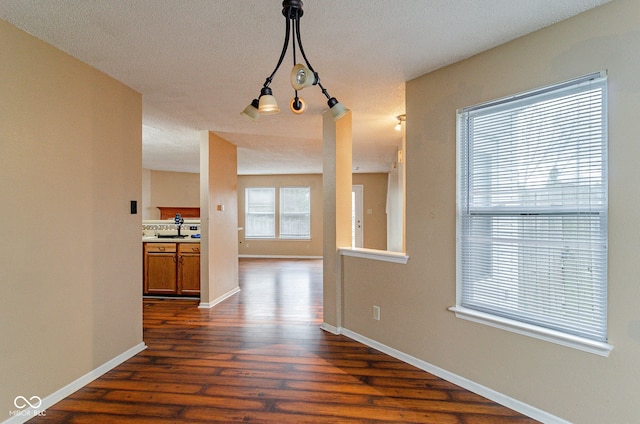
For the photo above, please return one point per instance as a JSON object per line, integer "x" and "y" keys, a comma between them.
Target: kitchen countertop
{"x": 153, "y": 239}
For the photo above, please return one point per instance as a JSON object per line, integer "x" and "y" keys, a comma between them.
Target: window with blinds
{"x": 260, "y": 212}
{"x": 532, "y": 208}
{"x": 292, "y": 213}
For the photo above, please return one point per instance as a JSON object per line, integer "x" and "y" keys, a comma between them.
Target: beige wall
{"x": 219, "y": 219}
{"x": 166, "y": 188}
{"x": 374, "y": 209}
{"x": 148, "y": 211}
{"x": 576, "y": 386}
{"x": 70, "y": 154}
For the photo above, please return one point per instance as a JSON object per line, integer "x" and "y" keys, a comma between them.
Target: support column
{"x": 218, "y": 220}
{"x": 336, "y": 186}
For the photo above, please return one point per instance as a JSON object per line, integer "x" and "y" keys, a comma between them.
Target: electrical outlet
{"x": 376, "y": 313}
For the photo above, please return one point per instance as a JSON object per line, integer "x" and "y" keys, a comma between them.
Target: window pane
{"x": 259, "y": 218}
{"x": 295, "y": 206}
{"x": 545, "y": 270}
{"x": 545, "y": 154}
{"x": 532, "y": 205}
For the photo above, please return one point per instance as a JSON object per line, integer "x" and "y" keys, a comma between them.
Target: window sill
{"x": 376, "y": 255}
{"x": 276, "y": 239}
{"x": 575, "y": 342}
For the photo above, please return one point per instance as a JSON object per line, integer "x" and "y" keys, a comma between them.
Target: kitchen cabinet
{"x": 189, "y": 269}
{"x": 171, "y": 269}
{"x": 160, "y": 268}
{"x": 170, "y": 212}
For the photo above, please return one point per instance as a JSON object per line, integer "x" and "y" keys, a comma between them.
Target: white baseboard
{"x": 330, "y": 328}
{"x": 279, "y": 257}
{"x": 209, "y": 305}
{"x": 479, "y": 389}
{"x": 26, "y": 414}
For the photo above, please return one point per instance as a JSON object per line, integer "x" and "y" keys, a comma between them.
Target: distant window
{"x": 295, "y": 212}
{"x": 260, "y": 212}
{"x": 532, "y": 208}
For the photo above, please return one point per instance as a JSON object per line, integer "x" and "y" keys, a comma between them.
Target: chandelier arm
{"x": 324, "y": 90}
{"x": 296, "y": 30}
{"x": 282, "y": 54}
{"x": 293, "y": 44}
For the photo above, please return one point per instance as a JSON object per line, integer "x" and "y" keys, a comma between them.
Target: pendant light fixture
{"x": 301, "y": 76}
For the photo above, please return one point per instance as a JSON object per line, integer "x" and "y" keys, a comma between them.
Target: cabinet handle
{"x": 161, "y": 248}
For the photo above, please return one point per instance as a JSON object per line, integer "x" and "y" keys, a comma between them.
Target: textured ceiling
{"x": 198, "y": 63}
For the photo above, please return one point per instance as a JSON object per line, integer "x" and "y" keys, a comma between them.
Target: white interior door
{"x": 357, "y": 222}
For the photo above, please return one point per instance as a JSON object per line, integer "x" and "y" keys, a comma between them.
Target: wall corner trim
{"x": 331, "y": 328}
{"x": 209, "y": 305}
{"x": 479, "y": 389}
{"x": 58, "y": 395}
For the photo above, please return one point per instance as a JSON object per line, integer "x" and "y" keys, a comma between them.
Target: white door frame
{"x": 357, "y": 216}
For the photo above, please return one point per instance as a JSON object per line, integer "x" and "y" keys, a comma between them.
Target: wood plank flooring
{"x": 260, "y": 357}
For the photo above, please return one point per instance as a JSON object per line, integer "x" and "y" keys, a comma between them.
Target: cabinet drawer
{"x": 160, "y": 247}
{"x": 189, "y": 248}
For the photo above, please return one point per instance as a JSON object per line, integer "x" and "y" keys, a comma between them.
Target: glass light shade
{"x": 268, "y": 105}
{"x": 298, "y": 108}
{"x": 337, "y": 109}
{"x": 302, "y": 77}
{"x": 251, "y": 111}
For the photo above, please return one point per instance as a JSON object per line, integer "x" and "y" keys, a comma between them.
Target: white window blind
{"x": 260, "y": 212}
{"x": 532, "y": 208}
{"x": 295, "y": 212}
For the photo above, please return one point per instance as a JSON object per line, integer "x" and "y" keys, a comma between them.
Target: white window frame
{"x": 478, "y": 310}
{"x": 304, "y": 213}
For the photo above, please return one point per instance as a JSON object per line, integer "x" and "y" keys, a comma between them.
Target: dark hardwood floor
{"x": 260, "y": 357}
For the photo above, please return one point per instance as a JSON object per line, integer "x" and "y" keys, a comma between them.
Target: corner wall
{"x": 219, "y": 219}
{"x": 337, "y": 137}
{"x": 70, "y": 163}
{"x": 566, "y": 383}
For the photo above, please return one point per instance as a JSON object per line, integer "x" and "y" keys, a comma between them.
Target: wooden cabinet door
{"x": 160, "y": 266}
{"x": 189, "y": 269}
